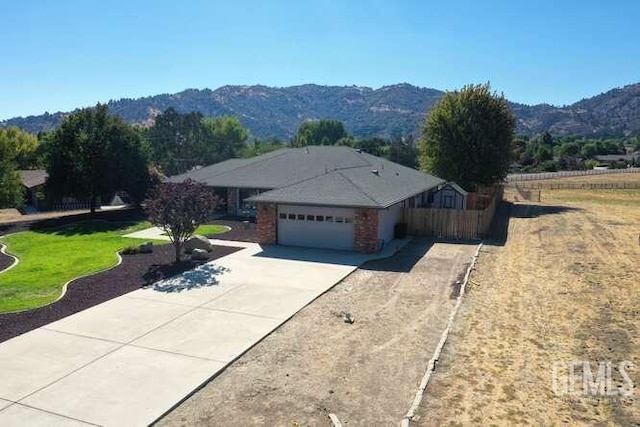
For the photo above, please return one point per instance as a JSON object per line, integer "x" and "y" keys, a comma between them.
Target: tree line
{"x": 545, "y": 153}
{"x": 93, "y": 154}
{"x": 468, "y": 137}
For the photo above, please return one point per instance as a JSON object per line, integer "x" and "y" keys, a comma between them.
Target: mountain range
{"x": 387, "y": 111}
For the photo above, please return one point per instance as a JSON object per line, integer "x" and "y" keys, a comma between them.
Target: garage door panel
{"x": 316, "y": 227}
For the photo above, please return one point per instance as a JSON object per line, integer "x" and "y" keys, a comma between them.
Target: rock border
{"x": 65, "y": 285}
{"x": 3, "y": 249}
{"x": 431, "y": 366}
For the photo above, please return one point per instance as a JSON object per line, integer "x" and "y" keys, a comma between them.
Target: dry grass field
{"x": 565, "y": 287}
{"x": 607, "y": 178}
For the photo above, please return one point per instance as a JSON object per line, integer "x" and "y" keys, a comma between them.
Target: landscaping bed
{"x": 134, "y": 272}
{"x": 241, "y": 231}
{"x": 5, "y": 261}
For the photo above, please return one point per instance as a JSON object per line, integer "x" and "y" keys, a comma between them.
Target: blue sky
{"x": 58, "y": 55}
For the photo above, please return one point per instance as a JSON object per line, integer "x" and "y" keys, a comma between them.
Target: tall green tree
{"x": 467, "y": 137}
{"x": 223, "y": 138}
{"x": 92, "y": 154}
{"x": 403, "y": 150}
{"x": 181, "y": 141}
{"x": 321, "y": 132}
{"x": 11, "y": 192}
{"x": 24, "y": 147}
{"x": 259, "y": 146}
{"x": 175, "y": 139}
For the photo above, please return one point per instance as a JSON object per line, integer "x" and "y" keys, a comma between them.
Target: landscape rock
{"x": 199, "y": 254}
{"x": 197, "y": 242}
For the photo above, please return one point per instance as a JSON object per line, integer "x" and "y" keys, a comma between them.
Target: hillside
{"x": 396, "y": 109}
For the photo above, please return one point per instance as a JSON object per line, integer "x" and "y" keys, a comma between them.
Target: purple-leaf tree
{"x": 179, "y": 208}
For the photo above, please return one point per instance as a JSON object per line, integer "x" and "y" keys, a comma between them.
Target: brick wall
{"x": 232, "y": 201}
{"x": 267, "y": 223}
{"x": 366, "y": 230}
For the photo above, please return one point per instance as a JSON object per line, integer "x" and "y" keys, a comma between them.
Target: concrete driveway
{"x": 131, "y": 359}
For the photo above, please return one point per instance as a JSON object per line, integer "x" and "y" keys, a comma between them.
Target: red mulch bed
{"x": 135, "y": 272}
{"x": 240, "y": 231}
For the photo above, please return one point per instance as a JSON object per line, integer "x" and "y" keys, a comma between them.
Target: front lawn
{"x": 207, "y": 229}
{"x": 49, "y": 258}
{"x": 211, "y": 229}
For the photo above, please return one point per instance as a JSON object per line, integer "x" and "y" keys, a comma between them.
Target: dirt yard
{"x": 366, "y": 372}
{"x": 565, "y": 287}
{"x": 9, "y": 215}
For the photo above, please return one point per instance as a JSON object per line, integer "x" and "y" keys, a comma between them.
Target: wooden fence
{"x": 450, "y": 223}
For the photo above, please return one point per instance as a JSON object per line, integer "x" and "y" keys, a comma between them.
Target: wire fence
{"x": 576, "y": 186}
{"x": 564, "y": 174}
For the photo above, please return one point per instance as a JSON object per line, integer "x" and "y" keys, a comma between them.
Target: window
{"x": 283, "y": 216}
{"x": 348, "y": 220}
{"x": 319, "y": 218}
{"x": 328, "y": 218}
{"x": 292, "y": 216}
{"x": 430, "y": 197}
{"x": 310, "y": 217}
{"x": 339, "y": 219}
{"x": 300, "y": 217}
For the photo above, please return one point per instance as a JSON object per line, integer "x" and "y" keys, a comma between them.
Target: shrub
{"x": 130, "y": 250}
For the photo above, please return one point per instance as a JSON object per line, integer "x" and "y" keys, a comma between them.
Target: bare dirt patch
{"x": 9, "y": 215}
{"x": 565, "y": 287}
{"x": 366, "y": 372}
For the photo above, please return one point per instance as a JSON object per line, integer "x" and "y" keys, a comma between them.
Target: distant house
{"x": 33, "y": 182}
{"x": 331, "y": 197}
{"x": 450, "y": 196}
{"x": 617, "y": 159}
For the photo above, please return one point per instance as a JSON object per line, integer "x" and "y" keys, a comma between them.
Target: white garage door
{"x": 315, "y": 227}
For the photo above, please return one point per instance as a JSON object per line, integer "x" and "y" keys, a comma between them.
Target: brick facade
{"x": 365, "y": 226}
{"x": 232, "y": 201}
{"x": 267, "y": 223}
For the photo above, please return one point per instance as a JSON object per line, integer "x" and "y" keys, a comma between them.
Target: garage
{"x": 317, "y": 227}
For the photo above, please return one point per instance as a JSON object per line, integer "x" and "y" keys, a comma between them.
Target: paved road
{"x": 129, "y": 360}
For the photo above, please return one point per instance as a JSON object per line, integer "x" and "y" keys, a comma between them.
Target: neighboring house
{"x": 319, "y": 196}
{"x": 450, "y": 196}
{"x": 617, "y": 159}
{"x": 33, "y": 182}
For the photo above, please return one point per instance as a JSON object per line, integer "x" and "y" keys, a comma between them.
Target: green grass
{"x": 51, "y": 257}
{"x": 209, "y": 229}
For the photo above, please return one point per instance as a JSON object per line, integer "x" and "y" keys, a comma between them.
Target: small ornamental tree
{"x": 179, "y": 208}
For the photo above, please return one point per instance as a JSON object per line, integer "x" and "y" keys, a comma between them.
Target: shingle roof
{"x": 318, "y": 175}
{"x": 617, "y": 157}
{"x": 457, "y": 188}
{"x": 33, "y": 178}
